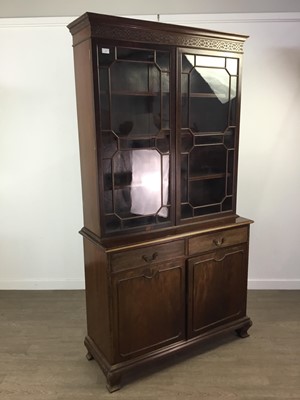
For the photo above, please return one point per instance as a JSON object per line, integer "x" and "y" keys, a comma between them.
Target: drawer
{"x": 146, "y": 255}
{"x": 215, "y": 240}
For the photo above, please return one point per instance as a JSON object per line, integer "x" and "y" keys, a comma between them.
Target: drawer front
{"x": 146, "y": 255}
{"x": 215, "y": 240}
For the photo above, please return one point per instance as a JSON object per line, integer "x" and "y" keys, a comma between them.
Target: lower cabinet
{"x": 149, "y": 308}
{"x": 151, "y": 300}
{"x": 217, "y": 288}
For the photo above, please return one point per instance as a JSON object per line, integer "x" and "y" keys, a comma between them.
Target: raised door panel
{"x": 217, "y": 289}
{"x": 149, "y": 308}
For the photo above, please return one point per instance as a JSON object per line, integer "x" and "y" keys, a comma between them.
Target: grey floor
{"x": 42, "y": 354}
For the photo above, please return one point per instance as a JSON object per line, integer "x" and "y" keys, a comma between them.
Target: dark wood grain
{"x": 87, "y": 138}
{"x": 217, "y": 288}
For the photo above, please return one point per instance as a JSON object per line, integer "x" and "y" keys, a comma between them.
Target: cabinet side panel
{"x": 97, "y": 303}
{"x": 87, "y": 135}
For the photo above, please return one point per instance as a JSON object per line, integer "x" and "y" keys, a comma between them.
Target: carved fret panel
{"x": 162, "y": 37}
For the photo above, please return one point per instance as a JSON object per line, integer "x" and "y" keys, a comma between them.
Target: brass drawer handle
{"x": 150, "y": 273}
{"x": 218, "y": 242}
{"x": 151, "y": 258}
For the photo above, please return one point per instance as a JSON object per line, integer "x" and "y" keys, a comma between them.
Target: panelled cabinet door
{"x": 149, "y": 309}
{"x": 207, "y": 138}
{"x": 217, "y": 289}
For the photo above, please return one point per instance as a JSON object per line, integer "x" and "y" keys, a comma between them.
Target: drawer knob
{"x": 218, "y": 242}
{"x": 148, "y": 259}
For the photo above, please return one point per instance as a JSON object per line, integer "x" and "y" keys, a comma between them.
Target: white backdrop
{"x": 40, "y": 191}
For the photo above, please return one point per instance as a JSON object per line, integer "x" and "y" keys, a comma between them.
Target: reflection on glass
{"x": 207, "y": 61}
{"x": 232, "y": 66}
{"x": 150, "y": 183}
{"x": 187, "y": 62}
{"x": 217, "y": 80}
{"x": 233, "y": 87}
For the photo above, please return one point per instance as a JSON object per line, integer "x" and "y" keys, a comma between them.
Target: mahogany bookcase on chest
{"x": 166, "y": 255}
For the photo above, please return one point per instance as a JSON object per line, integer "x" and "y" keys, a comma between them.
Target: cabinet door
{"x": 134, "y": 139}
{"x": 217, "y": 289}
{"x": 149, "y": 308}
{"x": 208, "y": 136}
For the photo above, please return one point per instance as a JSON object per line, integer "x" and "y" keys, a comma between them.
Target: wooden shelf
{"x": 204, "y": 95}
{"x": 203, "y": 177}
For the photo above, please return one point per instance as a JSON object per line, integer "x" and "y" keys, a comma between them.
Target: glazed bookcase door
{"x": 134, "y": 137}
{"x": 208, "y": 133}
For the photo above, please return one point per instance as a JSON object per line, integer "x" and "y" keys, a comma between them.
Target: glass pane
{"x": 229, "y": 138}
{"x": 165, "y": 82}
{"x": 186, "y": 211}
{"x": 104, "y": 80}
{"x": 184, "y": 100}
{"x": 163, "y": 60}
{"x": 211, "y": 80}
{"x": 198, "y": 83}
{"x": 230, "y": 172}
{"x": 150, "y": 182}
{"x": 109, "y": 144}
{"x": 105, "y": 111}
{"x": 227, "y": 204}
{"x": 233, "y": 87}
{"x": 135, "y": 222}
{"x": 208, "y": 115}
{"x": 207, "y": 61}
{"x": 211, "y": 139}
{"x": 106, "y": 55}
{"x": 232, "y": 65}
{"x": 136, "y": 143}
{"x": 112, "y": 223}
{"x": 207, "y": 160}
{"x": 107, "y": 174}
{"x": 233, "y": 91}
{"x": 188, "y": 62}
{"x": 163, "y": 144}
{"x": 206, "y": 210}
{"x": 187, "y": 141}
{"x": 230, "y": 161}
{"x": 135, "y": 115}
{"x": 122, "y": 201}
{"x": 134, "y": 77}
{"x": 205, "y": 192}
{"x": 135, "y": 54}
{"x": 108, "y": 202}
{"x": 166, "y": 111}
{"x": 184, "y": 178}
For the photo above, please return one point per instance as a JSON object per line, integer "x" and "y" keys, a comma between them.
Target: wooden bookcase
{"x": 166, "y": 255}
